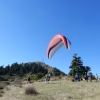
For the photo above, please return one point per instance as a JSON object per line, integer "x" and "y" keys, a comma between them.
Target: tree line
{"x": 37, "y": 68}
{"x": 22, "y": 69}
{"x": 25, "y": 68}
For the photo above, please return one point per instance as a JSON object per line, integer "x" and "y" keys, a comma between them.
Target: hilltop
{"x": 35, "y": 69}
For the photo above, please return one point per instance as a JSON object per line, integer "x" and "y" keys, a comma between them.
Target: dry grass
{"x": 3, "y": 85}
{"x": 67, "y": 90}
{"x": 7, "y": 88}
{"x": 1, "y": 93}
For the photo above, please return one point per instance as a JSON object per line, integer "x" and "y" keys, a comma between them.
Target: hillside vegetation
{"x": 36, "y": 70}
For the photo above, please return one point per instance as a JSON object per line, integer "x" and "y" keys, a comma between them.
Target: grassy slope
{"x": 67, "y": 90}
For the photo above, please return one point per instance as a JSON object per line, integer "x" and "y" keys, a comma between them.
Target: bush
{"x": 38, "y": 76}
{"x": 7, "y": 83}
{"x": 3, "y": 79}
{"x": 1, "y": 87}
{"x": 31, "y": 91}
{"x": 0, "y": 95}
{"x": 1, "y": 91}
{"x": 59, "y": 77}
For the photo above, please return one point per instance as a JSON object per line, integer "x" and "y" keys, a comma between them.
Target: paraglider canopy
{"x": 57, "y": 42}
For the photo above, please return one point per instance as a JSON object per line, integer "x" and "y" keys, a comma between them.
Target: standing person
{"x": 76, "y": 77}
{"x": 86, "y": 77}
{"x": 28, "y": 80}
{"x": 91, "y": 77}
{"x": 46, "y": 78}
{"x": 96, "y": 77}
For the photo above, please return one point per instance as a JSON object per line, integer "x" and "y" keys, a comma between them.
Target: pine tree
{"x": 77, "y": 66}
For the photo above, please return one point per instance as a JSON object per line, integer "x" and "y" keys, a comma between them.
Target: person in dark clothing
{"x": 46, "y": 78}
{"x": 76, "y": 77}
{"x": 91, "y": 78}
{"x": 28, "y": 80}
{"x": 86, "y": 76}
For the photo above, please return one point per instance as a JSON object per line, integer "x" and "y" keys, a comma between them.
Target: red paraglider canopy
{"x": 56, "y": 42}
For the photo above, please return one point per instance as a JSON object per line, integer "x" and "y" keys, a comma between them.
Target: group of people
{"x": 47, "y": 79}
{"x": 77, "y": 78}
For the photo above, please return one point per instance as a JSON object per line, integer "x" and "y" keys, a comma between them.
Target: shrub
{"x": 31, "y": 91}
{"x": 3, "y": 79}
{"x": 1, "y": 87}
{"x": 7, "y": 83}
{"x": 59, "y": 77}
{"x": 0, "y": 95}
{"x": 38, "y": 76}
{"x": 1, "y": 91}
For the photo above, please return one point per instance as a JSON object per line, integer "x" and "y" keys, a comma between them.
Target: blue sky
{"x": 27, "y": 26}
